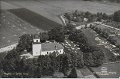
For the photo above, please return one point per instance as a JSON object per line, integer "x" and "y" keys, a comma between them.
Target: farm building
{"x": 46, "y": 48}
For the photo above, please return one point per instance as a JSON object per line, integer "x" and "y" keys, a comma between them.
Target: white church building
{"x": 46, "y": 48}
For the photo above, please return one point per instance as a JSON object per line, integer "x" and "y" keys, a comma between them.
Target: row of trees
{"x": 106, "y": 34}
{"x": 116, "y": 16}
{"x": 78, "y": 16}
{"x": 113, "y": 24}
{"x": 93, "y": 56}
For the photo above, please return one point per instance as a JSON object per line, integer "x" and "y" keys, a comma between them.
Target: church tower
{"x": 36, "y": 46}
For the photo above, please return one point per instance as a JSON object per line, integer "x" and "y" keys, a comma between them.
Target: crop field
{"x": 12, "y": 27}
{"x": 34, "y": 19}
{"x": 51, "y": 9}
{"x": 113, "y": 70}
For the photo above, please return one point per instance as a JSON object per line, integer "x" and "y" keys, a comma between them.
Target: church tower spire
{"x": 36, "y": 46}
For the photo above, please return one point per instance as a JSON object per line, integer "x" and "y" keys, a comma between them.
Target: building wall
{"x": 61, "y": 51}
{"x": 36, "y": 49}
{"x": 48, "y": 52}
{"x": 36, "y": 40}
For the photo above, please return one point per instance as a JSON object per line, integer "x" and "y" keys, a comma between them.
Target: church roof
{"x": 51, "y": 46}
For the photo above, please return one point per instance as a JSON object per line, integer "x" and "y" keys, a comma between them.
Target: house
{"x": 46, "y": 48}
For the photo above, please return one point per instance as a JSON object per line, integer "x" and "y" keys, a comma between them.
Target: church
{"x": 46, "y": 48}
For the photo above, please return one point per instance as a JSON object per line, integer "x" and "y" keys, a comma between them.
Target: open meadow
{"x": 12, "y": 27}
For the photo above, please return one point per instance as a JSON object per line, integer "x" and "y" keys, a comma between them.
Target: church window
{"x": 36, "y": 40}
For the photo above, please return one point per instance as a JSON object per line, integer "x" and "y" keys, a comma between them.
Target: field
{"x": 34, "y": 19}
{"x": 12, "y": 27}
{"x": 51, "y": 9}
{"x": 6, "y": 6}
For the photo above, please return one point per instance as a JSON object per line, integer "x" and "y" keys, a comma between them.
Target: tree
{"x": 1, "y": 70}
{"x": 8, "y": 64}
{"x": 54, "y": 62}
{"x": 98, "y": 57}
{"x": 21, "y": 66}
{"x": 73, "y": 73}
{"x": 116, "y": 16}
{"x": 94, "y": 58}
{"x": 45, "y": 63}
{"x": 68, "y": 28}
{"x": 63, "y": 63}
{"x": 87, "y": 14}
{"x": 25, "y": 43}
{"x": 37, "y": 72}
{"x": 76, "y": 13}
{"x": 43, "y": 36}
{"x": 57, "y": 34}
{"x": 77, "y": 60}
{"x": 69, "y": 16}
{"x": 99, "y": 16}
{"x": 105, "y": 16}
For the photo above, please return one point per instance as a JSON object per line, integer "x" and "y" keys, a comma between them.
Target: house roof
{"x": 51, "y": 46}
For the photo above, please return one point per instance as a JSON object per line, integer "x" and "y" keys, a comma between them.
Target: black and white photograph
{"x": 60, "y": 39}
